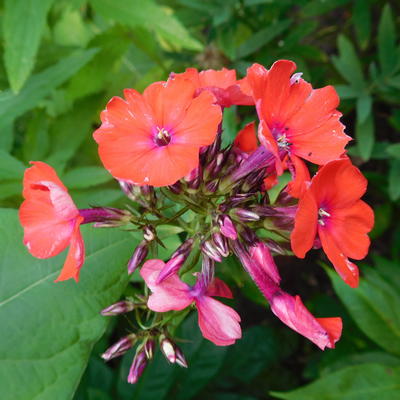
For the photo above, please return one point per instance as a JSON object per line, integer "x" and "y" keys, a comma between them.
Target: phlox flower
{"x": 222, "y": 83}
{"x": 154, "y": 138}
{"x": 51, "y": 220}
{"x": 218, "y": 322}
{"x": 296, "y": 119}
{"x": 260, "y": 265}
{"x": 331, "y": 210}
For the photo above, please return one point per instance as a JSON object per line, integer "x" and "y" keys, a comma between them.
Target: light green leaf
{"x": 348, "y": 63}
{"x": 261, "y": 38}
{"x": 346, "y": 92}
{"x": 151, "y": 15}
{"x": 36, "y": 141}
{"x": 361, "y": 382}
{"x": 10, "y": 167}
{"x": 24, "y": 21}
{"x": 394, "y": 180}
{"x": 48, "y": 329}
{"x": 387, "y": 54}
{"x": 363, "y": 106}
{"x": 40, "y": 85}
{"x": 11, "y": 188}
{"x": 394, "y": 150}
{"x": 84, "y": 177}
{"x": 374, "y": 307}
{"x": 365, "y": 136}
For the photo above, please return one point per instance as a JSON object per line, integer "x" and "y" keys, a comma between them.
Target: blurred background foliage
{"x": 63, "y": 60}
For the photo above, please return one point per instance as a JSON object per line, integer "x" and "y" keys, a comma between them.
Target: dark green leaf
{"x": 394, "y": 150}
{"x": 36, "y": 143}
{"x": 318, "y": 7}
{"x": 61, "y": 319}
{"x": 394, "y": 180}
{"x": 346, "y": 92}
{"x": 24, "y": 21}
{"x": 387, "y": 42}
{"x": 374, "y": 306}
{"x": 365, "y": 137}
{"x": 362, "y": 21}
{"x": 364, "y": 106}
{"x": 362, "y": 382}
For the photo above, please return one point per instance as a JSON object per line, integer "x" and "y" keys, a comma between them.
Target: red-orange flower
{"x": 222, "y": 84}
{"x": 295, "y": 118}
{"x": 331, "y": 208}
{"x": 246, "y": 139}
{"x": 51, "y": 220}
{"x": 154, "y": 138}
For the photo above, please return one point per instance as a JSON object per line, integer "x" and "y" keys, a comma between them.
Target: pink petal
{"x": 170, "y": 294}
{"x": 219, "y": 288}
{"x": 261, "y": 254}
{"x": 218, "y": 322}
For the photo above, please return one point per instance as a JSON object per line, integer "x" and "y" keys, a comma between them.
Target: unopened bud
{"x": 170, "y": 268}
{"x": 138, "y": 365}
{"x": 184, "y": 248}
{"x": 227, "y": 228}
{"x": 180, "y": 358}
{"x": 211, "y": 187}
{"x": 245, "y": 215}
{"x": 249, "y": 236}
{"x": 149, "y": 348}
{"x": 207, "y": 271}
{"x": 138, "y": 256}
{"x": 119, "y": 348}
{"x": 211, "y": 251}
{"x": 149, "y": 233}
{"x": 168, "y": 349}
{"x": 176, "y": 188}
{"x": 221, "y": 244}
{"x": 121, "y": 307}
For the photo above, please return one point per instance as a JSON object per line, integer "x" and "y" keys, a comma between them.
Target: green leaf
{"x": 83, "y": 177}
{"x": 10, "y": 167}
{"x": 394, "y": 180}
{"x": 317, "y": 7}
{"x": 151, "y": 15}
{"x": 363, "y": 106}
{"x": 365, "y": 136}
{"x": 362, "y": 21}
{"x": 361, "y": 382}
{"x": 261, "y": 38}
{"x": 36, "y": 141}
{"x": 61, "y": 319}
{"x": 40, "y": 85}
{"x": 346, "y": 92}
{"x": 24, "y": 22}
{"x": 394, "y": 150}
{"x": 374, "y": 307}
{"x": 387, "y": 54}
{"x": 348, "y": 64}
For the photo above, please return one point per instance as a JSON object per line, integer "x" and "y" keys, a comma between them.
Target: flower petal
{"x": 246, "y": 139}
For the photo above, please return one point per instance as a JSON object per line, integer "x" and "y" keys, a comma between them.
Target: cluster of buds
{"x": 164, "y": 147}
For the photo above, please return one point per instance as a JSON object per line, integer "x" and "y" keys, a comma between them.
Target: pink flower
{"x": 218, "y": 322}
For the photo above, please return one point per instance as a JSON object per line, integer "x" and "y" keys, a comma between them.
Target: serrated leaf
{"x": 374, "y": 307}
{"x": 261, "y": 38}
{"x": 348, "y": 63}
{"x": 62, "y": 319}
{"x": 361, "y": 382}
{"x": 387, "y": 54}
{"x": 394, "y": 180}
{"x": 24, "y": 21}
{"x": 150, "y": 15}
{"x": 363, "y": 106}
{"x": 365, "y": 135}
{"x": 40, "y": 85}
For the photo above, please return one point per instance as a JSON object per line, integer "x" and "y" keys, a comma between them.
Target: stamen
{"x": 162, "y": 137}
{"x": 323, "y": 213}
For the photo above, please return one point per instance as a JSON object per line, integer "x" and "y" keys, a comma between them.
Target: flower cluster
{"x": 164, "y": 147}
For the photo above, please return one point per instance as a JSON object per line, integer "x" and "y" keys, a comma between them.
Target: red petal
{"x": 297, "y": 187}
{"x": 305, "y": 227}
{"x": 345, "y": 268}
{"x": 219, "y": 288}
{"x": 246, "y": 139}
{"x": 333, "y": 327}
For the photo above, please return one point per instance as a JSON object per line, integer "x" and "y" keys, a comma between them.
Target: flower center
{"x": 281, "y": 138}
{"x": 162, "y": 137}
{"x": 323, "y": 216}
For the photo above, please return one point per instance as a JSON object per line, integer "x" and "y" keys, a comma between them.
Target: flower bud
{"x": 149, "y": 348}
{"x": 227, "y": 228}
{"x": 170, "y": 268}
{"x": 168, "y": 349}
{"x": 184, "y": 249}
{"x": 180, "y": 358}
{"x": 176, "y": 188}
{"x": 221, "y": 244}
{"x": 207, "y": 271}
{"x": 121, "y": 307}
{"x": 138, "y": 256}
{"x": 245, "y": 215}
{"x": 149, "y": 233}
{"x": 138, "y": 365}
{"x": 211, "y": 187}
{"x": 119, "y": 348}
{"x": 105, "y": 216}
{"x": 210, "y": 250}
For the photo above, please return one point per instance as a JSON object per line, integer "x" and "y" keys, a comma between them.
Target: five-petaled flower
{"x": 331, "y": 208}
{"x": 218, "y": 322}
{"x": 51, "y": 220}
{"x": 154, "y": 138}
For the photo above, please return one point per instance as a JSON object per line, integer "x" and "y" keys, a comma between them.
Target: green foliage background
{"x": 61, "y": 62}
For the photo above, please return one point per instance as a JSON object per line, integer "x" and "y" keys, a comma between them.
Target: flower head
{"x": 154, "y": 138}
{"x": 218, "y": 322}
{"x": 331, "y": 208}
{"x": 50, "y": 219}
